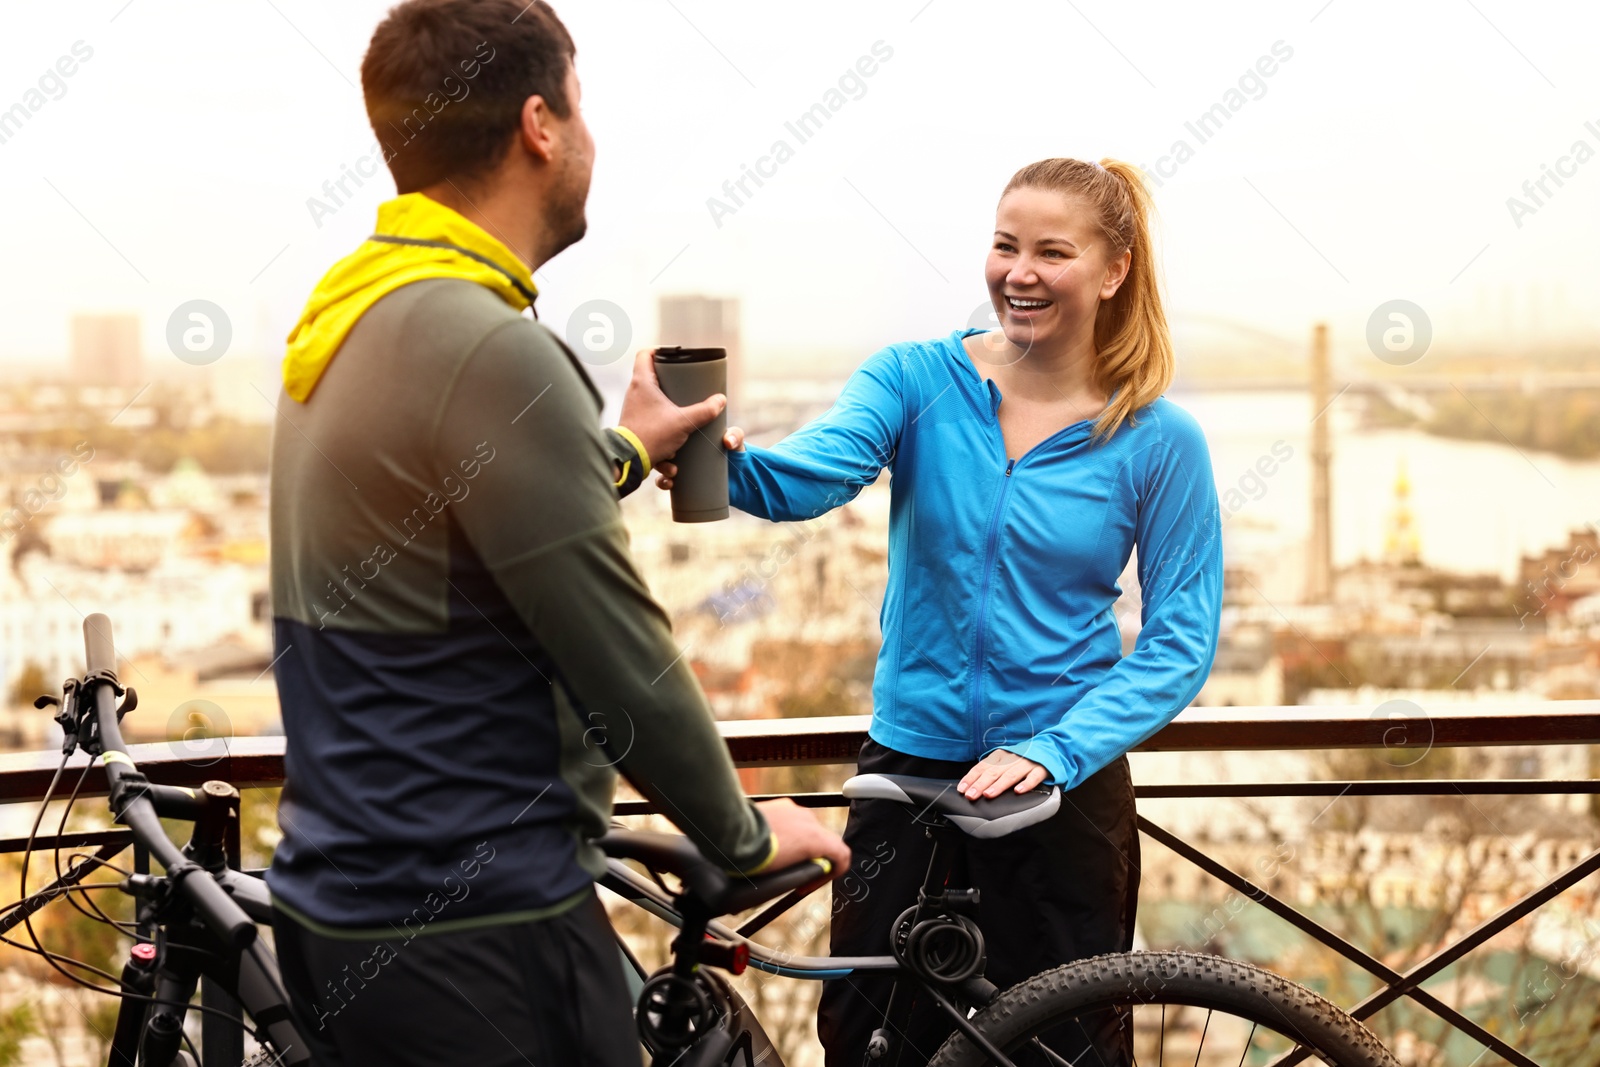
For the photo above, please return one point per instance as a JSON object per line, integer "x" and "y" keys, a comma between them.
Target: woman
{"x": 1027, "y": 464}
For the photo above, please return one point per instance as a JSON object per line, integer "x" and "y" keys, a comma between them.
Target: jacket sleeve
{"x": 1177, "y": 533}
{"x": 545, "y": 520}
{"x": 630, "y": 462}
{"x": 832, "y": 458}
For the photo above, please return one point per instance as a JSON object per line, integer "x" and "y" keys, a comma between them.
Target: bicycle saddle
{"x": 986, "y": 818}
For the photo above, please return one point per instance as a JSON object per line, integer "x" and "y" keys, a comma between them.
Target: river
{"x": 1478, "y": 506}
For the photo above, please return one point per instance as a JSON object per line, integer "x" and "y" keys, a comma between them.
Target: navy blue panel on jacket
{"x": 418, "y": 759}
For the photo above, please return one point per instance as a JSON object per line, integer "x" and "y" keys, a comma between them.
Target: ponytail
{"x": 1134, "y": 347}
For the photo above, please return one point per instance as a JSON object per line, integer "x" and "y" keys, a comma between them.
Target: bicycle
{"x": 196, "y": 925}
{"x": 690, "y": 1018}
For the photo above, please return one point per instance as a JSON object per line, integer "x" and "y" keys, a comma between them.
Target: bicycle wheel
{"x": 1185, "y": 1008}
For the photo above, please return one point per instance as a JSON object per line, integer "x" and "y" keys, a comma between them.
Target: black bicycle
{"x": 196, "y": 924}
{"x": 1179, "y": 1007}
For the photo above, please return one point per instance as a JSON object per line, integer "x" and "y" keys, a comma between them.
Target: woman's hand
{"x": 998, "y": 771}
{"x": 733, "y": 441}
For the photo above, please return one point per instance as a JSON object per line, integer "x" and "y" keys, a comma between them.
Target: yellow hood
{"x": 378, "y": 268}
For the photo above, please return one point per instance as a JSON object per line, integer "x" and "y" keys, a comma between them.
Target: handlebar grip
{"x": 225, "y": 918}
{"x": 98, "y": 651}
{"x": 763, "y": 887}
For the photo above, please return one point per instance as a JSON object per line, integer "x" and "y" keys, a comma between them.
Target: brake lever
{"x": 77, "y": 726}
{"x": 66, "y": 714}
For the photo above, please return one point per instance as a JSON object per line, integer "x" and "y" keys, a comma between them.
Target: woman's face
{"x": 1048, "y": 267}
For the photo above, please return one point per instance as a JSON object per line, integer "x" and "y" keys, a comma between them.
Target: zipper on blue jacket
{"x": 983, "y": 600}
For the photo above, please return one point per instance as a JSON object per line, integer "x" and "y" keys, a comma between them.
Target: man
{"x": 464, "y": 648}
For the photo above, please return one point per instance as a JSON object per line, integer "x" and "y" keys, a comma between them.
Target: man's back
{"x": 464, "y": 646}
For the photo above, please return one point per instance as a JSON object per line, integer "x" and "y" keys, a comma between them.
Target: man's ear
{"x": 537, "y": 135}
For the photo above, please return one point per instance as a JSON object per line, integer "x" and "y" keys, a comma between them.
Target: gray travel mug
{"x": 700, "y": 488}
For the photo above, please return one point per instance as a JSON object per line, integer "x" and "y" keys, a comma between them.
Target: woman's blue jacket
{"x": 998, "y": 630}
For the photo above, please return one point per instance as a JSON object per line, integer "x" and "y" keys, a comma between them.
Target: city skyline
{"x": 1288, "y": 197}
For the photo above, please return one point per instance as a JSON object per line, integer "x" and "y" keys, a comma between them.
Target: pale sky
{"x": 1374, "y": 163}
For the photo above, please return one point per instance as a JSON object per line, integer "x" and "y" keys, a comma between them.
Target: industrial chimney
{"x": 1319, "y": 552}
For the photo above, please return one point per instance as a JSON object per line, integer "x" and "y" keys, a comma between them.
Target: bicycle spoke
{"x": 1203, "y": 1031}
{"x": 1179, "y": 1024}
{"x": 1052, "y": 1055}
{"x": 1088, "y": 1040}
{"x": 1247, "y": 1042}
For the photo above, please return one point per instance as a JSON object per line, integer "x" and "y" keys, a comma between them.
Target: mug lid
{"x": 675, "y": 354}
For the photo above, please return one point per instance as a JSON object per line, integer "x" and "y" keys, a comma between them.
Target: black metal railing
{"x": 258, "y": 762}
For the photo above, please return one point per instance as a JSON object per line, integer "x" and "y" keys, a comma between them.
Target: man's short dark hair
{"x": 445, "y": 81}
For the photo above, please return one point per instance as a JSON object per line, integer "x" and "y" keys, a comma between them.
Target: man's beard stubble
{"x": 568, "y": 220}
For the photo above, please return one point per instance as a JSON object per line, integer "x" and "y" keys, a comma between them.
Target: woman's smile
{"x": 1026, "y": 309}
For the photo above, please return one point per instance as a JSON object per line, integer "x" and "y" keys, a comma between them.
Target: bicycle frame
{"x": 934, "y": 901}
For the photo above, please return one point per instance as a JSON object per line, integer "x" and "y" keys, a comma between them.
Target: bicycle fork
{"x": 167, "y": 962}
{"x": 151, "y": 1033}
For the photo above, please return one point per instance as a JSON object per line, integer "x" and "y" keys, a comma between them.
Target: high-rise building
{"x": 106, "y": 350}
{"x": 696, "y": 321}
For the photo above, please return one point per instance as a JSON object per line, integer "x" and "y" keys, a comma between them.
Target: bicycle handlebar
{"x": 760, "y": 888}
{"x": 217, "y": 909}
{"x": 211, "y": 902}
{"x": 721, "y": 892}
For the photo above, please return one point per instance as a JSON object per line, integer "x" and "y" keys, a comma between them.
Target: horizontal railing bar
{"x": 73, "y": 840}
{"x": 1177, "y": 791}
{"x": 1394, "y": 725}
{"x": 258, "y": 761}
{"x": 1376, "y": 787}
{"x": 245, "y": 762}
{"x": 1411, "y": 787}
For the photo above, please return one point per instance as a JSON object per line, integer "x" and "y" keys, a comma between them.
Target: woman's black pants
{"x": 1059, "y": 891}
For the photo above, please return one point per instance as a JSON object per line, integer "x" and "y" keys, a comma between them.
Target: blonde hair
{"x": 1130, "y": 330}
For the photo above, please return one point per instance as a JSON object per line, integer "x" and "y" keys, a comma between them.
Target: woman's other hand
{"x": 998, "y": 771}
{"x": 733, "y": 441}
